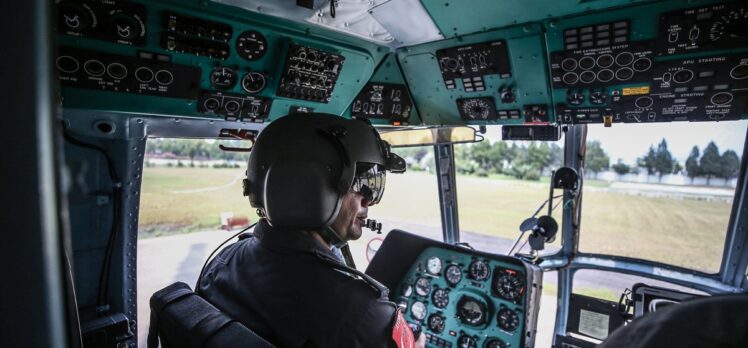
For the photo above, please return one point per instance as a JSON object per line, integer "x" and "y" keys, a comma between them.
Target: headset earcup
{"x": 298, "y": 200}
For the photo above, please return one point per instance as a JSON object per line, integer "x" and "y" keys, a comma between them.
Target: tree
{"x": 692, "y": 164}
{"x": 710, "y": 162}
{"x": 730, "y": 165}
{"x": 648, "y": 161}
{"x": 596, "y": 160}
{"x": 557, "y": 156}
{"x": 621, "y": 168}
{"x": 663, "y": 160}
{"x": 677, "y": 168}
{"x": 539, "y": 156}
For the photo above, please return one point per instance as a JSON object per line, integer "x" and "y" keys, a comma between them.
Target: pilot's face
{"x": 352, "y": 216}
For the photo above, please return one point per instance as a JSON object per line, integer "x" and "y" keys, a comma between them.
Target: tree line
{"x": 526, "y": 162}
{"x": 659, "y": 161}
{"x": 195, "y": 149}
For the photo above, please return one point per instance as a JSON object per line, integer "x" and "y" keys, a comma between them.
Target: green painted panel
{"x": 389, "y": 72}
{"x": 361, "y": 58}
{"x": 460, "y": 17}
{"x": 437, "y": 105}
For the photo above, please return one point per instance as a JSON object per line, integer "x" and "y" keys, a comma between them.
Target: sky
{"x": 630, "y": 141}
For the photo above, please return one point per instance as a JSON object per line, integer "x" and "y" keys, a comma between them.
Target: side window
{"x": 661, "y": 192}
{"x": 191, "y": 201}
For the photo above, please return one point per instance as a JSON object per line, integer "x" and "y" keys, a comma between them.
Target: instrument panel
{"x": 462, "y": 299}
{"x": 643, "y": 62}
{"x": 202, "y": 60}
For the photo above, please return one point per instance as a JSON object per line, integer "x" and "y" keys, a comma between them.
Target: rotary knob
{"x": 75, "y": 17}
{"x": 507, "y": 95}
{"x": 125, "y": 26}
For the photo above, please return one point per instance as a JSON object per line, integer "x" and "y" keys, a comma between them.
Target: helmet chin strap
{"x": 333, "y": 238}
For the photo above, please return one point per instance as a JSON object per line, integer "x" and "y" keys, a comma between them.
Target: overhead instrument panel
{"x": 491, "y": 77}
{"x": 462, "y": 298}
{"x": 469, "y": 64}
{"x": 190, "y": 35}
{"x": 651, "y": 64}
{"x": 387, "y": 101}
{"x": 120, "y": 22}
{"x": 309, "y": 74}
{"x": 710, "y": 28}
{"x": 205, "y": 59}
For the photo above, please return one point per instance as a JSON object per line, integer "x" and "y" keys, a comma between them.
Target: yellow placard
{"x": 635, "y": 90}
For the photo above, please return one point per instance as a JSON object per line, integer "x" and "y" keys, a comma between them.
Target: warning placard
{"x": 594, "y": 324}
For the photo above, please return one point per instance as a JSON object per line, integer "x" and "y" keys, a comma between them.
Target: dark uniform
{"x": 281, "y": 285}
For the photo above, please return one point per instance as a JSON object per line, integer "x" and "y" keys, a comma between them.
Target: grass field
{"x": 689, "y": 233}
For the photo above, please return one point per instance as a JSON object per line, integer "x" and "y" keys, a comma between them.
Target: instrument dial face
{"x": 495, "y": 343}
{"x": 478, "y": 270}
{"x": 434, "y": 265}
{"x": 476, "y": 109}
{"x": 418, "y": 310}
{"x": 436, "y": 323}
{"x": 253, "y": 82}
{"x": 407, "y": 290}
{"x": 734, "y": 25}
{"x": 223, "y": 78}
{"x": 471, "y": 311}
{"x": 423, "y": 286}
{"x": 467, "y": 342}
{"x": 508, "y": 319}
{"x": 509, "y": 287}
{"x": 453, "y": 274}
{"x": 440, "y": 298}
{"x": 251, "y": 45}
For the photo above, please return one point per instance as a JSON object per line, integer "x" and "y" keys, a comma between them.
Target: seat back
{"x": 181, "y": 318}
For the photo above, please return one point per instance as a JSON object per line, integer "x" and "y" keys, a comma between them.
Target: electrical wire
{"x": 202, "y": 270}
{"x": 104, "y": 275}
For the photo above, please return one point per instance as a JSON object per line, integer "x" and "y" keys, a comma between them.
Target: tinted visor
{"x": 369, "y": 182}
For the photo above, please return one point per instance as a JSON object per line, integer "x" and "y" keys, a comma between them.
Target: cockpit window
{"x": 499, "y": 185}
{"x": 661, "y": 192}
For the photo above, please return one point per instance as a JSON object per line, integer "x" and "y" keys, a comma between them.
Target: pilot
{"x": 312, "y": 178}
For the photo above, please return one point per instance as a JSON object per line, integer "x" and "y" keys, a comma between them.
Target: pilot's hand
{"x": 421, "y": 342}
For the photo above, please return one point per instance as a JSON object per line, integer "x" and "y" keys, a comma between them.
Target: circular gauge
{"x": 251, "y": 45}
{"x": 466, "y": 341}
{"x": 223, "y": 78}
{"x": 509, "y": 286}
{"x": 453, "y": 274}
{"x": 733, "y": 25}
{"x": 440, "y": 298}
{"x": 253, "y": 82}
{"x": 478, "y": 270}
{"x": 418, "y": 310}
{"x": 436, "y": 323}
{"x": 471, "y": 311}
{"x": 423, "y": 286}
{"x": 494, "y": 342}
{"x": 434, "y": 265}
{"x": 407, "y": 290}
{"x": 508, "y": 319}
{"x": 476, "y": 108}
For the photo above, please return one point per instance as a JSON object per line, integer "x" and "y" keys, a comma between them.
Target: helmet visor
{"x": 370, "y": 183}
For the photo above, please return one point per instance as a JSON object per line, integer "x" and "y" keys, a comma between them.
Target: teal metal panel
{"x": 475, "y": 289}
{"x": 644, "y": 19}
{"x": 437, "y": 105}
{"x": 389, "y": 71}
{"x": 460, "y": 17}
{"x": 361, "y": 58}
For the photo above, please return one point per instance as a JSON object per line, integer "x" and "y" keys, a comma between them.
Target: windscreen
{"x": 661, "y": 192}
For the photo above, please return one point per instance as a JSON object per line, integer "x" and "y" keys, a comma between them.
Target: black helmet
{"x": 301, "y": 166}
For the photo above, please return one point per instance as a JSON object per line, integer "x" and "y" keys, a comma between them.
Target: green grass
{"x": 688, "y": 233}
